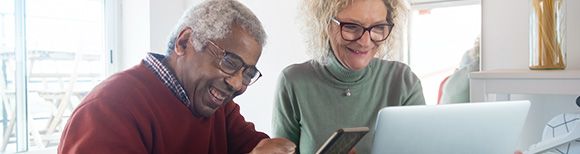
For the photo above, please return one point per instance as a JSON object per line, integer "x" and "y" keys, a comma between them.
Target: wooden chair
{"x": 59, "y": 100}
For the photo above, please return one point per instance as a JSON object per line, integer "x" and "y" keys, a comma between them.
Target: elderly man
{"x": 182, "y": 102}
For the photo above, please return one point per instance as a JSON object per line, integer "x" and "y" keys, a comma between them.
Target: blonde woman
{"x": 347, "y": 82}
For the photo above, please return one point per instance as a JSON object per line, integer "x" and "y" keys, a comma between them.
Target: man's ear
{"x": 182, "y": 40}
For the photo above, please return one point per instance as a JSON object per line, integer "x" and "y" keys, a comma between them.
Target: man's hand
{"x": 276, "y": 146}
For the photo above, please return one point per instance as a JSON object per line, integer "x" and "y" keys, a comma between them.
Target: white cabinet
{"x": 551, "y": 92}
{"x": 499, "y": 85}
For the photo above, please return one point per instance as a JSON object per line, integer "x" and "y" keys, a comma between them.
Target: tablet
{"x": 343, "y": 140}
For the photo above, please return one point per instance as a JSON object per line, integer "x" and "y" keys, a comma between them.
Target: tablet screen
{"x": 343, "y": 140}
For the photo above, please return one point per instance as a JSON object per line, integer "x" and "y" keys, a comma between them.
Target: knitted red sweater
{"x": 134, "y": 112}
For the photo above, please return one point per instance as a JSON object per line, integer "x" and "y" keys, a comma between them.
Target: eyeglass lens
{"x": 352, "y": 32}
{"x": 231, "y": 63}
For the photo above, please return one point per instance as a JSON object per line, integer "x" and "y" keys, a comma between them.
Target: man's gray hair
{"x": 213, "y": 19}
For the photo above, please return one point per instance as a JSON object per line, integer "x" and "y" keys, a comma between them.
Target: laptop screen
{"x": 475, "y": 128}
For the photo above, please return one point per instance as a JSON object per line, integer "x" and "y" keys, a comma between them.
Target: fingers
{"x": 285, "y": 144}
{"x": 276, "y": 145}
{"x": 352, "y": 151}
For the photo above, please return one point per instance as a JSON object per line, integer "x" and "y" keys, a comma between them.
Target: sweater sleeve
{"x": 242, "y": 136}
{"x": 101, "y": 128}
{"x": 415, "y": 93}
{"x": 286, "y": 114}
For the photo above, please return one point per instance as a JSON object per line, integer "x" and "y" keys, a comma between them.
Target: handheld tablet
{"x": 343, "y": 140}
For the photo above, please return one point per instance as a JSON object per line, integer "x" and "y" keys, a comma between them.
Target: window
{"x": 439, "y": 36}
{"x": 65, "y": 56}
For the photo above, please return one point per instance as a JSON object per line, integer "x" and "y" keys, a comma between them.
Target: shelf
{"x": 498, "y": 85}
{"x": 526, "y": 74}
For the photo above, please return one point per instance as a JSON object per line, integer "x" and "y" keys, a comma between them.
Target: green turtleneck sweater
{"x": 311, "y": 101}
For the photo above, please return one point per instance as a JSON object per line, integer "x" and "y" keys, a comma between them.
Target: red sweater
{"x": 134, "y": 112}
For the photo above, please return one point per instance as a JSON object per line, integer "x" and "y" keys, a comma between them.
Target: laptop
{"x": 467, "y": 128}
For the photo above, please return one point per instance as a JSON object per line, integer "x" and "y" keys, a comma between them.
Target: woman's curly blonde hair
{"x": 316, "y": 17}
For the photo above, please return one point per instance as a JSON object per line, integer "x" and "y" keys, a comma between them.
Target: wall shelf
{"x": 499, "y": 84}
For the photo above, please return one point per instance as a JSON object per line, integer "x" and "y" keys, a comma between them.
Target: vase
{"x": 547, "y": 34}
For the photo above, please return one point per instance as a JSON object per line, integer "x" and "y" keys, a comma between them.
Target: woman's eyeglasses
{"x": 353, "y": 32}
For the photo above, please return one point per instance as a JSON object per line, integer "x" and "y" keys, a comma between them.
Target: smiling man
{"x": 181, "y": 102}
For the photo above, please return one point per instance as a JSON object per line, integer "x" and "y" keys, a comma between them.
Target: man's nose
{"x": 235, "y": 81}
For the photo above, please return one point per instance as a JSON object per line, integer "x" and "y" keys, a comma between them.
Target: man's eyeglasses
{"x": 231, "y": 63}
{"x": 353, "y": 32}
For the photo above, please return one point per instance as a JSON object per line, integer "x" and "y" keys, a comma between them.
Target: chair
{"x": 58, "y": 99}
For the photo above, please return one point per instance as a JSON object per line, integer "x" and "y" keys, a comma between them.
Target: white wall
{"x": 284, "y": 47}
{"x": 145, "y": 25}
{"x": 164, "y": 15}
{"x": 505, "y": 32}
{"x": 135, "y": 32}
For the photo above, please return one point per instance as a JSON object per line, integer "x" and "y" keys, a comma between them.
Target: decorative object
{"x": 547, "y": 34}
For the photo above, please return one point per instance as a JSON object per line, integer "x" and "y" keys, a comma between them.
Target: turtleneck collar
{"x": 343, "y": 74}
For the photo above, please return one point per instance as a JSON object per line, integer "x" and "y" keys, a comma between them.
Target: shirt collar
{"x": 153, "y": 62}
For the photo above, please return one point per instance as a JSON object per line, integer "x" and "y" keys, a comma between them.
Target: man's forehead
{"x": 242, "y": 44}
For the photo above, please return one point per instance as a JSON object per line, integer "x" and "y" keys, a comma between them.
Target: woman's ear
{"x": 182, "y": 41}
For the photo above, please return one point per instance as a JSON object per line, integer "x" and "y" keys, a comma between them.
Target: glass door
{"x": 65, "y": 50}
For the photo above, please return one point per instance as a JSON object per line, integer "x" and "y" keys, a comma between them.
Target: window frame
{"x": 112, "y": 10}
{"x": 428, "y": 6}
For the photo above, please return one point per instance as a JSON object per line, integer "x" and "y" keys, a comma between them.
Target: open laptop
{"x": 467, "y": 128}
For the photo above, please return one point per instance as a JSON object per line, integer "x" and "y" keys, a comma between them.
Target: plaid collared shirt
{"x": 153, "y": 62}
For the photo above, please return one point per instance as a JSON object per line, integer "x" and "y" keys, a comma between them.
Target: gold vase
{"x": 547, "y": 34}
